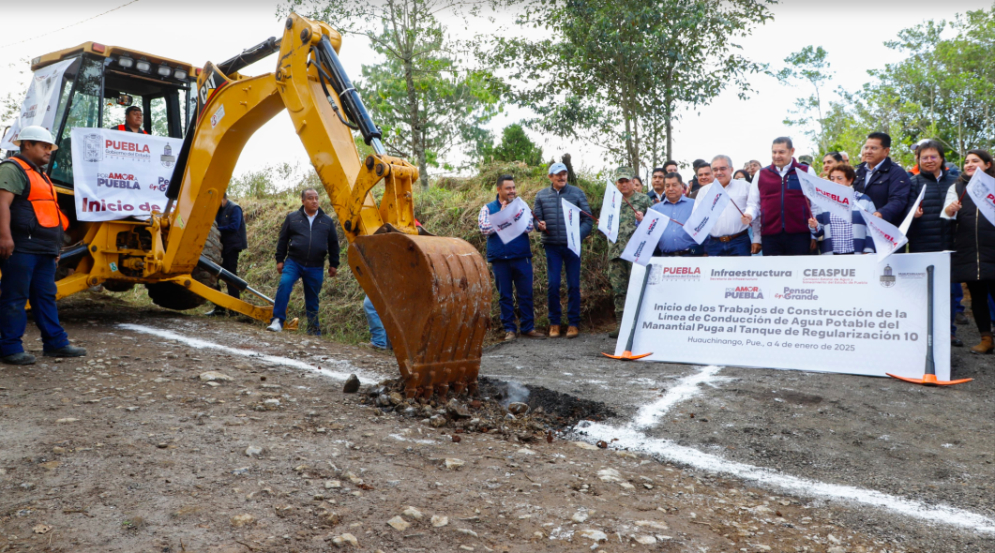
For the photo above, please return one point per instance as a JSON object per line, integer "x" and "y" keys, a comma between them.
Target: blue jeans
{"x": 735, "y": 247}
{"x": 378, "y": 335}
{"x": 511, "y": 276}
{"x": 312, "y": 277}
{"x": 558, "y": 257}
{"x": 29, "y": 277}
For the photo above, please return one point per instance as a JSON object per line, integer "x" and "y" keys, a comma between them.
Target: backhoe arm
{"x": 432, "y": 293}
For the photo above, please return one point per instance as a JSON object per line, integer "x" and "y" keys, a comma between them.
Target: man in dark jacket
{"x": 885, "y": 182}
{"x": 231, "y": 225}
{"x": 31, "y": 227}
{"x": 548, "y": 212}
{"x": 308, "y": 236}
{"x": 511, "y": 263}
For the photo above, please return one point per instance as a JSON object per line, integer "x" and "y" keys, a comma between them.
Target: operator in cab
{"x": 31, "y": 229}
{"x": 133, "y": 118}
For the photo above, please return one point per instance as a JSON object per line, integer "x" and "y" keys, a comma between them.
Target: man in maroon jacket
{"x": 776, "y": 197}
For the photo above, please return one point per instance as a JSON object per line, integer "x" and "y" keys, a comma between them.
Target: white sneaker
{"x": 275, "y": 326}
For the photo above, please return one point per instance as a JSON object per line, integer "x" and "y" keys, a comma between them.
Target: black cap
{"x": 131, "y": 109}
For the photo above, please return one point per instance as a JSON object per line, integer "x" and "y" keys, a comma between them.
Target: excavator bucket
{"x": 433, "y": 295}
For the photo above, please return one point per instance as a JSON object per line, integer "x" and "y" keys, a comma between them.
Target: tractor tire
{"x": 173, "y": 296}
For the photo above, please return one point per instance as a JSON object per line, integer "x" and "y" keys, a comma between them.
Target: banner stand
{"x": 929, "y": 378}
{"x": 627, "y": 355}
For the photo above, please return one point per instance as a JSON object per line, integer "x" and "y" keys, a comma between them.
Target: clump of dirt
{"x": 506, "y": 408}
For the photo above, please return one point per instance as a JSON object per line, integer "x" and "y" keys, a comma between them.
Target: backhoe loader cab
{"x": 102, "y": 82}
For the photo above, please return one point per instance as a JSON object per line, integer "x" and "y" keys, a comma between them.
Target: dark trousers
{"x": 558, "y": 258}
{"x": 229, "y": 262}
{"x": 513, "y": 278}
{"x": 980, "y": 289}
{"x": 29, "y": 277}
{"x": 313, "y": 277}
{"x": 735, "y": 247}
{"x": 784, "y": 243}
{"x": 956, "y": 297}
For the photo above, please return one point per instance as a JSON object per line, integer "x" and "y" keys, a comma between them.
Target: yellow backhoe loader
{"x": 433, "y": 293}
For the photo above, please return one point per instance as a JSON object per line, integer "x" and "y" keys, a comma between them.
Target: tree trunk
{"x": 414, "y": 120}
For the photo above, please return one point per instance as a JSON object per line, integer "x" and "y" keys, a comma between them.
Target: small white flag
{"x": 643, "y": 242}
{"x": 571, "y": 218}
{"x": 512, "y": 221}
{"x": 610, "y": 212}
{"x": 887, "y": 237}
{"x": 904, "y": 227}
{"x": 834, "y": 198}
{"x": 706, "y": 214}
{"x": 982, "y": 190}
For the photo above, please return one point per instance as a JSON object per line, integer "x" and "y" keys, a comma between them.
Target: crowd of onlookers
{"x": 768, "y": 214}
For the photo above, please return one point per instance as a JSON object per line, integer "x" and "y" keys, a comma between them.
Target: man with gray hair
{"x": 306, "y": 238}
{"x": 729, "y": 236}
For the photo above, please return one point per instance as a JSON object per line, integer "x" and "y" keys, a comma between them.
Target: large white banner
{"x": 706, "y": 212}
{"x": 571, "y": 218}
{"x": 643, "y": 242}
{"x": 611, "y": 210}
{"x": 845, "y": 314}
{"x": 981, "y": 187}
{"x": 834, "y": 198}
{"x": 119, "y": 174}
{"x": 512, "y": 221}
{"x": 40, "y": 103}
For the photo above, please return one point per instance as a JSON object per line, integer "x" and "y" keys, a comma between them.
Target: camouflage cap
{"x": 623, "y": 173}
{"x": 806, "y": 159}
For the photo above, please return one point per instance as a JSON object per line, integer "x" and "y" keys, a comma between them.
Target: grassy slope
{"x": 449, "y": 208}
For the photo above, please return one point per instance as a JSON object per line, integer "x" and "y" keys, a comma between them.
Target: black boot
{"x": 66, "y": 351}
{"x": 23, "y": 358}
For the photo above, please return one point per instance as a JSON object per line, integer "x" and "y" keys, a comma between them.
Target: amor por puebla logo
{"x": 127, "y": 150}
{"x": 744, "y": 293}
{"x": 121, "y": 180}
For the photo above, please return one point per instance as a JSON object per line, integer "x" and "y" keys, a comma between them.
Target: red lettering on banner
{"x": 682, "y": 270}
{"x": 833, "y": 197}
{"x": 126, "y": 146}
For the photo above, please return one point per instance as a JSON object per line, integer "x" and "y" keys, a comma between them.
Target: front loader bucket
{"x": 433, "y": 295}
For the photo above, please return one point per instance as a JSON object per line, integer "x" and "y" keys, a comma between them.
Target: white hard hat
{"x": 35, "y": 133}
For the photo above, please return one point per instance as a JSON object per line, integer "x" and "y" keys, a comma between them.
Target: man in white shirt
{"x": 778, "y": 203}
{"x": 729, "y": 236}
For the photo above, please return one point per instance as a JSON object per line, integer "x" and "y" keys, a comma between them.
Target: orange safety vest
{"x": 126, "y": 129}
{"x": 41, "y": 194}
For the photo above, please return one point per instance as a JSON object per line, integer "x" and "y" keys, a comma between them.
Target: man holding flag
{"x": 777, "y": 200}
{"x": 548, "y": 211}
{"x": 511, "y": 260}
{"x": 675, "y": 242}
{"x": 631, "y": 214}
{"x": 729, "y": 236}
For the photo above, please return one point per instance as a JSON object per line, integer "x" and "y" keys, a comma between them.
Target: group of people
{"x": 768, "y": 214}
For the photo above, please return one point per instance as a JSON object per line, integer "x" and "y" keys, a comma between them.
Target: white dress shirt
{"x": 730, "y": 220}
{"x": 951, "y": 198}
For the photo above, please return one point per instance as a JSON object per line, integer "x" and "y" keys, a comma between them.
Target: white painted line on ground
{"x": 684, "y": 389}
{"x": 631, "y": 438}
{"x": 272, "y": 359}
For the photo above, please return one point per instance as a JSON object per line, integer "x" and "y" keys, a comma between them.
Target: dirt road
{"x": 138, "y": 448}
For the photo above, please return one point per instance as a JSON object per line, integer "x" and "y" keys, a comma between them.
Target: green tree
{"x": 516, "y": 146}
{"x": 810, "y": 66}
{"x": 426, "y": 102}
{"x": 611, "y": 72}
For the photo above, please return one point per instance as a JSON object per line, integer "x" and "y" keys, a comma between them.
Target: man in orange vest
{"x": 31, "y": 227}
{"x": 133, "y": 120}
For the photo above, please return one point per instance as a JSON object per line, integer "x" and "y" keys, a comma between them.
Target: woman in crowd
{"x": 973, "y": 260}
{"x": 929, "y": 232}
{"x": 839, "y": 236}
{"x": 829, "y": 161}
{"x": 637, "y": 183}
{"x": 741, "y": 174}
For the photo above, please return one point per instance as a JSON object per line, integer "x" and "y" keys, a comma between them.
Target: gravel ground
{"x": 131, "y": 449}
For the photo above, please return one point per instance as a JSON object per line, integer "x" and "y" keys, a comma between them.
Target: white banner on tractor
{"x": 844, "y": 313}
{"x": 40, "y": 103}
{"x": 119, "y": 174}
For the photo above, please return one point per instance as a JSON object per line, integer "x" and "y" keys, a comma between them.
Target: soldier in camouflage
{"x": 629, "y": 219}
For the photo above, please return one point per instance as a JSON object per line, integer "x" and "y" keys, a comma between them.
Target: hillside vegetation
{"x": 449, "y": 208}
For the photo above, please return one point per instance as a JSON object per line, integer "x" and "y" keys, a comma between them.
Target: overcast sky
{"x": 851, "y": 31}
